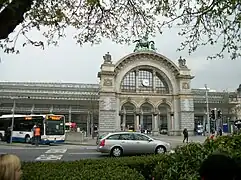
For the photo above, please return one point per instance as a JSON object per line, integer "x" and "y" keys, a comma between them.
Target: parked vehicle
{"x": 120, "y": 143}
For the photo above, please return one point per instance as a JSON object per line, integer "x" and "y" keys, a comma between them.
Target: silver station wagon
{"x": 120, "y": 143}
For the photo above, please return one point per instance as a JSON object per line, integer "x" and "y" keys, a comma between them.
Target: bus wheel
{"x": 27, "y": 139}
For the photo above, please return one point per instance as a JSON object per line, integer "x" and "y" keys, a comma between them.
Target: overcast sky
{"x": 72, "y": 63}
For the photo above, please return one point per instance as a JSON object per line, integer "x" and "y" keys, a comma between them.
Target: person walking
{"x": 37, "y": 135}
{"x": 8, "y": 134}
{"x": 185, "y": 134}
{"x": 220, "y": 132}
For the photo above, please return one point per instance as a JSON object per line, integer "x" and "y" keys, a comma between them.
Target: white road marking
{"x": 56, "y": 151}
{"x": 49, "y": 157}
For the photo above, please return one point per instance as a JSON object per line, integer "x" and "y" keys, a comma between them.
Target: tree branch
{"x": 12, "y": 15}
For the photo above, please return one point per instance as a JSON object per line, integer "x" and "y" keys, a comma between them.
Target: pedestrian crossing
{"x": 52, "y": 155}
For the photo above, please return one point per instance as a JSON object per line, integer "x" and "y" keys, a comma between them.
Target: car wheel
{"x": 116, "y": 152}
{"x": 27, "y": 139}
{"x": 160, "y": 150}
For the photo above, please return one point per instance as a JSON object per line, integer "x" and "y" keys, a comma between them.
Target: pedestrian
{"x": 8, "y": 134}
{"x": 220, "y": 132}
{"x": 185, "y": 134}
{"x": 37, "y": 135}
{"x": 220, "y": 167}
{"x": 33, "y": 135}
{"x": 10, "y": 167}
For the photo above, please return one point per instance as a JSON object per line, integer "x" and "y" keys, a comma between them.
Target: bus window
{"x": 23, "y": 124}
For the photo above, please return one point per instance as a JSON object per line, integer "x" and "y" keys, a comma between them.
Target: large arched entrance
{"x": 128, "y": 116}
{"x": 146, "y": 121}
{"x": 164, "y": 117}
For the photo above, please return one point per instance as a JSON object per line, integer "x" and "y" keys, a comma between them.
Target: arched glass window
{"x": 145, "y": 80}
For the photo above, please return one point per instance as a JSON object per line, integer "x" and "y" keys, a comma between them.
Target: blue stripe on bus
{"x": 19, "y": 139}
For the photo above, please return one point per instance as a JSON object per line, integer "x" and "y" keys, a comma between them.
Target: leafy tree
{"x": 202, "y": 22}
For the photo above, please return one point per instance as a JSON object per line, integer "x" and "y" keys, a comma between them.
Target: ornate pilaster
{"x": 185, "y": 97}
{"x": 109, "y": 119}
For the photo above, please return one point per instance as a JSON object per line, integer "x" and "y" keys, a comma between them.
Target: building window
{"x": 129, "y": 82}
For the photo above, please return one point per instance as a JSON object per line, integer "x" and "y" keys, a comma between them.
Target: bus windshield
{"x": 55, "y": 125}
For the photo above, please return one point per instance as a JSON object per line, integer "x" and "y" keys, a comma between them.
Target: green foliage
{"x": 79, "y": 170}
{"x": 201, "y": 22}
{"x": 183, "y": 164}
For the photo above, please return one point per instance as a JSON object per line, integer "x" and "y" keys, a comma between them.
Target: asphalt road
{"x": 70, "y": 152}
{"x": 63, "y": 153}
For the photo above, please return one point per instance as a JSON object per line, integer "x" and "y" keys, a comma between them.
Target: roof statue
{"x": 144, "y": 44}
{"x": 107, "y": 58}
{"x": 182, "y": 62}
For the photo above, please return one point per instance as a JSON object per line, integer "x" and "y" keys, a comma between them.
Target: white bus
{"x": 52, "y": 127}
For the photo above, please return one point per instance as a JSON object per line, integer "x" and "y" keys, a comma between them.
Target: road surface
{"x": 52, "y": 153}
{"x": 70, "y": 152}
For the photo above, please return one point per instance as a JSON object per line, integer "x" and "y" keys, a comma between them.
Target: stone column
{"x": 137, "y": 122}
{"x": 155, "y": 130}
{"x": 141, "y": 119}
{"x": 118, "y": 120}
{"x": 124, "y": 121}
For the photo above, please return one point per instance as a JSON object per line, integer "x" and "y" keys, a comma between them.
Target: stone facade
{"x": 167, "y": 86}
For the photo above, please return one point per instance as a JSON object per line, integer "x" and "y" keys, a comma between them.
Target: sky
{"x": 71, "y": 63}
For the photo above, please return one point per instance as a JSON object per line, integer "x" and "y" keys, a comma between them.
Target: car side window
{"x": 126, "y": 137}
{"x": 114, "y": 137}
{"x": 140, "y": 137}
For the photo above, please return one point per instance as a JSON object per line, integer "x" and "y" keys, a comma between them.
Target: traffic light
{"x": 212, "y": 115}
{"x": 219, "y": 114}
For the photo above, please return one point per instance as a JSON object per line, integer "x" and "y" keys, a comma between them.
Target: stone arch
{"x": 147, "y": 110}
{"x": 160, "y": 57}
{"x": 128, "y": 114}
{"x": 128, "y": 107}
{"x": 156, "y": 60}
{"x": 168, "y": 104}
{"x": 147, "y": 107}
{"x": 130, "y": 102}
{"x": 145, "y": 102}
{"x": 164, "y": 117}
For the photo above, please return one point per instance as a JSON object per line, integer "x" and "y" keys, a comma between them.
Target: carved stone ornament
{"x": 129, "y": 99}
{"x": 107, "y": 58}
{"x": 182, "y": 62}
{"x": 146, "y": 99}
{"x": 185, "y": 85}
{"x": 108, "y": 82}
{"x": 164, "y": 100}
{"x": 144, "y": 44}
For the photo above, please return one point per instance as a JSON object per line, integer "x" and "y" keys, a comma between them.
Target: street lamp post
{"x": 13, "y": 112}
{"x": 207, "y": 106}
